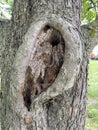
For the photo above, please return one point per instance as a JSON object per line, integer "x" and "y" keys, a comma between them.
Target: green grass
{"x": 92, "y": 106}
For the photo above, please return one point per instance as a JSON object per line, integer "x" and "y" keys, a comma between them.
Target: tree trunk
{"x": 3, "y": 30}
{"x": 44, "y": 71}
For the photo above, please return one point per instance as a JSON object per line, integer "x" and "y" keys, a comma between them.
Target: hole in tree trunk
{"x": 48, "y": 59}
{"x": 46, "y": 27}
{"x": 28, "y": 87}
{"x": 55, "y": 39}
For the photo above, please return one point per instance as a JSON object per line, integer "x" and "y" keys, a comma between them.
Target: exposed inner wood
{"x": 44, "y": 65}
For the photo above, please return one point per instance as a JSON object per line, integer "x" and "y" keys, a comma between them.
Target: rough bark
{"x": 44, "y": 70}
{"x": 3, "y": 33}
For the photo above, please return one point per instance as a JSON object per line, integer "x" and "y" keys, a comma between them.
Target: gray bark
{"x": 3, "y": 30}
{"x": 44, "y": 72}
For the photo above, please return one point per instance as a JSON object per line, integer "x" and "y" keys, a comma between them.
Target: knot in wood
{"x": 28, "y": 119}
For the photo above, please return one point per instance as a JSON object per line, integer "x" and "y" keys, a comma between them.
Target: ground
{"x": 92, "y": 103}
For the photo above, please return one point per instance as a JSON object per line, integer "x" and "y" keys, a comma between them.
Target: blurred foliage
{"x": 6, "y": 8}
{"x": 92, "y": 32}
{"x": 89, "y": 11}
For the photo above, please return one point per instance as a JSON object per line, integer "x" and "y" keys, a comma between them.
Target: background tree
{"x": 90, "y": 34}
{"x": 90, "y": 23}
{"x": 44, "y": 67}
